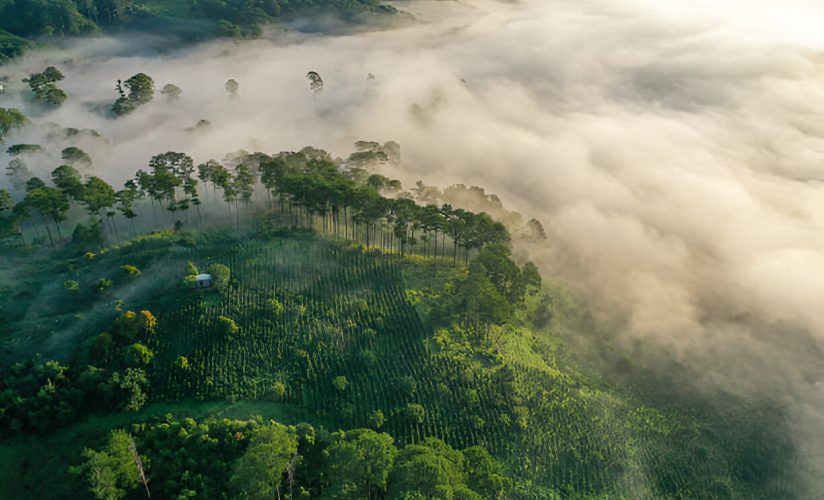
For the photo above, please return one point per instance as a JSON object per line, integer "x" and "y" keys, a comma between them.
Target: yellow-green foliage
{"x": 129, "y": 271}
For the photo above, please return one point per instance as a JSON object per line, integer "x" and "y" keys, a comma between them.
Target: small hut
{"x": 204, "y": 280}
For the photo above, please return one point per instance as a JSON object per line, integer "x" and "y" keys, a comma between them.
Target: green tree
{"x": 7, "y": 205}
{"x": 220, "y": 276}
{"x": 358, "y": 464}
{"x": 44, "y": 86}
{"x": 138, "y": 354}
{"x": 481, "y": 301}
{"x": 10, "y": 120}
{"x": 133, "y": 383}
{"x": 97, "y": 195}
{"x": 139, "y": 91}
{"x": 340, "y": 383}
{"x": 112, "y": 472}
{"x": 432, "y": 468}
{"x": 25, "y": 149}
{"x": 69, "y": 181}
{"x": 50, "y": 202}
{"x": 34, "y": 183}
{"x": 484, "y": 473}
{"x": 258, "y": 473}
{"x": 76, "y": 156}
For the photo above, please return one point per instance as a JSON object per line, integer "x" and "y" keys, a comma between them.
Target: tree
{"x": 140, "y": 91}
{"x": 171, "y": 170}
{"x": 125, "y": 198}
{"x": 68, "y": 181}
{"x": 50, "y": 202}
{"x": 535, "y": 230}
{"x": 10, "y": 120}
{"x": 133, "y": 383}
{"x": 244, "y": 184}
{"x": 484, "y": 473}
{"x": 34, "y": 183}
{"x": 76, "y": 156}
{"x": 232, "y": 87}
{"x": 97, "y": 195}
{"x": 431, "y": 468}
{"x": 257, "y": 474}
{"x": 220, "y": 276}
{"x": 43, "y": 85}
{"x": 110, "y": 473}
{"x": 7, "y": 205}
{"x": 18, "y": 172}
{"x": 138, "y": 354}
{"x": 172, "y": 91}
{"x": 224, "y": 179}
{"x": 25, "y": 149}
{"x": 481, "y": 300}
{"x": 530, "y": 275}
{"x": 359, "y": 463}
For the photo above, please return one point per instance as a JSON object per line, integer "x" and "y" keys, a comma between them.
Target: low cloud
{"x": 673, "y": 152}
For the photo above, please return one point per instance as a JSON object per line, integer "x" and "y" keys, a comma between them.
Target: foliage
{"x": 138, "y": 354}
{"x": 129, "y": 271}
{"x": 220, "y": 276}
{"x": 44, "y": 86}
{"x": 101, "y": 284}
{"x": 139, "y": 91}
{"x": 257, "y": 474}
{"x": 12, "y": 46}
{"x": 359, "y": 462}
{"x": 10, "y": 120}
{"x": 340, "y": 383}
{"x": 25, "y": 149}
{"x": 88, "y": 236}
{"x": 76, "y": 156}
{"x": 112, "y": 472}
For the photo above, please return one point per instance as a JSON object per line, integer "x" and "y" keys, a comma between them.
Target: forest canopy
{"x": 20, "y": 19}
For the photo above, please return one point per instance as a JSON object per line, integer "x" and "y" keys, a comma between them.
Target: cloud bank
{"x": 674, "y": 153}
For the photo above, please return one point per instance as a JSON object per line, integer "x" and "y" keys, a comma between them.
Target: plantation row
{"x": 332, "y": 331}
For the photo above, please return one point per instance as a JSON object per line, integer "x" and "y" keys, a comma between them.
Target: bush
{"x": 220, "y": 276}
{"x": 127, "y": 271}
{"x": 91, "y": 236}
{"x": 71, "y": 286}
{"x": 340, "y": 383}
{"x": 101, "y": 284}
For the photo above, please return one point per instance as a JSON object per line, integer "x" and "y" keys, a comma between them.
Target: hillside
{"x": 233, "y": 18}
{"x": 320, "y": 334}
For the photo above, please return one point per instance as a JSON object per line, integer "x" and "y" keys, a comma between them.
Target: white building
{"x": 204, "y": 280}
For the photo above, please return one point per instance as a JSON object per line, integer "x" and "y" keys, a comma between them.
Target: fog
{"x": 673, "y": 152}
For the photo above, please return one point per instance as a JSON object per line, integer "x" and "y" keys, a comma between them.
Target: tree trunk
{"x": 48, "y": 230}
{"x": 59, "y": 232}
{"x": 154, "y": 212}
{"x": 20, "y": 231}
{"x": 117, "y": 236}
{"x": 435, "y": 253}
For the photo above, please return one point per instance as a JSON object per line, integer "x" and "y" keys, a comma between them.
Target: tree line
{"x": 32, "y": 18}
{"x": 257, "y": 460}
{"x": 346, "y": 198}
